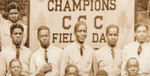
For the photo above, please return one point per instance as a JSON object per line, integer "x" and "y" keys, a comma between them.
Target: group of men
{"x": 77, "y": 59}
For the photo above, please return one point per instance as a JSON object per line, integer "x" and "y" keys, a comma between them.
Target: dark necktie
{"x": 139, "y": 49}
{"x": 112, "y": 53}
{"x": 46, "y": 57}
{"x": 17, "y": 52}
{"x": 81, "y": 50}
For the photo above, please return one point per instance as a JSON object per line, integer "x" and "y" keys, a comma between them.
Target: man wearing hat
{"x": 13, "y": 10}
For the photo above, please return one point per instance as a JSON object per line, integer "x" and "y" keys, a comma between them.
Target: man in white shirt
{"x": 78, "y": 53}
{"x": 109, "y": 57}
{"x": 139, "y": 49}
{"x": 16, "y": 50}
{"x": 45, "y": 61}
{"x": 14, "y": 15}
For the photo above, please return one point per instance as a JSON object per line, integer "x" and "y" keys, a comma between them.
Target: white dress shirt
{"x": 9, "y": 53}
{"x": 38, "y": 61}
{"x": 71, "y": 55}
{"x": 5, "y": 33}
{"x": 106, "y": 62}
{"x": 131, "y": 50}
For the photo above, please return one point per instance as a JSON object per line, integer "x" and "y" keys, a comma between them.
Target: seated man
{"x": 132, "y": 67}
{"x": 101, "y": 73}
{"x": 71, "y": 70}
{"x": 15, "y": 67}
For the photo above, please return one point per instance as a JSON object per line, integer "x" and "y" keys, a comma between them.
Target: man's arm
{"x": 95, "y": 65}
{"x": 124, "y": 61}
{"x": 58, "y": 63}
{"x": 40, "y": 74}
{"x": 2, "y": 66}
{"x": 32, "y": 69}
{"x": 63, "y": 62}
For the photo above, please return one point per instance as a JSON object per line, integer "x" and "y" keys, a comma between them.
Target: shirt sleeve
{"x": 124, "y": 61}
{"x": 2, "y": 66}
{"x": 26, "y": 61}
{"x": 58, "y": 64}
{"x": 56, "y": 68}
{"x": 32, "y": 70}
{"x": 63, "y": 62}
{"x": 95, "y": 64}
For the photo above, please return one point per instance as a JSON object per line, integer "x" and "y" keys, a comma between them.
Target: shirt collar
{"x": 111, "y": 47}
{"x": 137, "y": 43}
{"x": 44, "y": 48}
{"x": 14, "y": 47}
{"x": 79, "y": 45}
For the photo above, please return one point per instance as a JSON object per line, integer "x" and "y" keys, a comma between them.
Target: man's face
{"x": 13, "y": 15}
{"x": 17, "y": 36}
{"x": 44, "y": 37}
{"x": 81, "y": 33}
{"x": 141, "y": 34}
{"x": 15, "y": 68}
{"x": 132, "y": 67}
{"x": 72, "y": 71}
{"x": 112, "y": 36}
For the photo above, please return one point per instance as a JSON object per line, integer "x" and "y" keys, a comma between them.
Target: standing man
{"x": 139, "y": 49}
{"x": 16, "y": 50}
{"x": 78, "y": 53}
{"x": 45, "y": 61}
{"x": 14, "y": 15}
{"x": 108, "y": 58}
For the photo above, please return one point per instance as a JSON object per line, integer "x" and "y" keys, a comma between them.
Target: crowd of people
{"x": 76, "y": 59}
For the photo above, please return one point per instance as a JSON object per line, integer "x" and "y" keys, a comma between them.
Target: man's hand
{"x": 46, "y": 68}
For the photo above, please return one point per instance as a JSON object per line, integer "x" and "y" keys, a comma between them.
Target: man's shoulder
{"x": 89, "y": 47}
{"x": 130, "y": 45}
{"x": 102, "y": 49}
{"x": 55, "y": 48}
{"x": 70, "y": 46}
{"x": 26, "y": 48}
{"x": 8, "y": 48}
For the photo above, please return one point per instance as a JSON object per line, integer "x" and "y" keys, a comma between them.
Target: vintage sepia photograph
{"x": 74, "y": 37}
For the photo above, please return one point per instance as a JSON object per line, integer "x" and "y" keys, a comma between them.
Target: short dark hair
{"x": 131, "y": 59}
{"x": 69, "y": 66}
{"x": 78, "y": 24}
{"x": 13, "y": 5}
{"x": 13, "y": 61}
{"x": 111, "y": 26}
{"x": 139, "y": 25}
{"x": 101, "y": 72}
{"x": 43, "y": 27}
{"x": 14, "y": 26}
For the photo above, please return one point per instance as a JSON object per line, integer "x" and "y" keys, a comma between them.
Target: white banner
{"x": 61, "y": 16}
